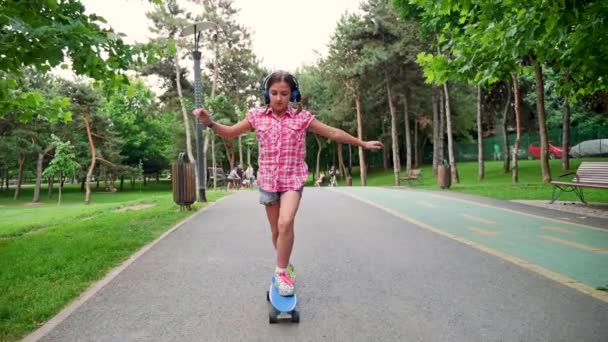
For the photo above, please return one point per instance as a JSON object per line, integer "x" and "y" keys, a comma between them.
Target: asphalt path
{"x": 363, "y": 274}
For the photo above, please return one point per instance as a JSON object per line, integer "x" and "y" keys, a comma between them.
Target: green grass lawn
{"x": 496, "y": 184}
{"x": 49, "y": 254}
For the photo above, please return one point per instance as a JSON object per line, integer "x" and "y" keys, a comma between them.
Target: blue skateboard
{"x": 283, "y": 308}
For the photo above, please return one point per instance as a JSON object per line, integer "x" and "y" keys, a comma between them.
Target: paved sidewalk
{"x": 363, "y": 275}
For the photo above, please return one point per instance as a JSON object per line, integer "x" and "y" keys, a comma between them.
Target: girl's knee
{"x": 285, "y": 225}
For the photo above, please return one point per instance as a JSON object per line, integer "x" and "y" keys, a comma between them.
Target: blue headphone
{"x": 295, "y": 92}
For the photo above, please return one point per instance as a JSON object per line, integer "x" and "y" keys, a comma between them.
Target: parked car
{"x": 554, "y": 151}
{"x": 590, "y": 148}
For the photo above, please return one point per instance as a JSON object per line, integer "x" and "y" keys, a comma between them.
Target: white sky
{"x": 285, "y": 33}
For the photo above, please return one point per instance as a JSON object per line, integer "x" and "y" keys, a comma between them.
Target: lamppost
{"x": 196, "y": 29}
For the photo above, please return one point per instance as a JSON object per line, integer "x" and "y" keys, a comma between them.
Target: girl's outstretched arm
{"x": 339, "y": 135}
{"x": 229, "y": 132}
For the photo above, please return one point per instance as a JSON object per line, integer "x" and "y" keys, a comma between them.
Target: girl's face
{"x": 280, "y": 92}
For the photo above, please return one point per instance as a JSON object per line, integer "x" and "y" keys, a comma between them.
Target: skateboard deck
{"x": 283, "y": 307}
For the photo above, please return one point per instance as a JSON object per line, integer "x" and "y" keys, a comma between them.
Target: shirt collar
{"x": 290, "y": 111}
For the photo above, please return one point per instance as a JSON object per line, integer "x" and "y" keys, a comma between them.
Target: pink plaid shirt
{"x": 282, "y": 148}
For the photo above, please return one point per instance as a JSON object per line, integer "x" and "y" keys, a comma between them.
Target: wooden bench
{"x": 221, "y": 177}
{"x": 588, "y": 175}
{"x": 414, "y": 176}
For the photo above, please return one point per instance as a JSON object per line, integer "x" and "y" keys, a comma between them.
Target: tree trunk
{"x": 5, "y": 183}
{"x": 248, "y": 155}
{"x": 50, "y": 187}
{"x": 362, "y": 166}
{"x": 350, "y": 161}
{"x": 240, "y": 150}
{"x": 318, "y": 167}
{"x": 420, "y": 149}
{"x": 566, "y": 136}
{"x": 185, "y": 116}
{"x": 39, "y": 163}
{"x": 434, "y": 100}
{"x": 212, "y": 136}
{"x": 441, "y": 126}
{"x": 517, "y": 110}
{"x": 213, "y": 165}
{"x": 479, "y": 136}
{"x": 112, "y": 180}
{"x": 448, "y": 123}
{"x": 384, "y": 150}
{"x": 229, "y": 155}
{"x": 408, "y": 139}
{"x": 505, "y": 133}
{"x": 19, "y": 177}
{"x": 60, "y": 187}
{"x": 394, "y": 136}
{"x": 416, "y": 144}
{"x": 542, "y": 123}
{"x": 87, "y": 196}
{"x": 122, "y": 182}
{"x": 341, "y": 160}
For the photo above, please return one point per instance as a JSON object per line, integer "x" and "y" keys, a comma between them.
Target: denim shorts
{"x": 268, "y": 198}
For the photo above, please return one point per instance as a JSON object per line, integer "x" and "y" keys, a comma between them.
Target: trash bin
{"x": 444, "y": 175}
{"x": 184, "y": 182}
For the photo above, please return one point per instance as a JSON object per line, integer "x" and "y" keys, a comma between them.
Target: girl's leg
{"x": 272, "y": 212}
{"x": 290, "y": 201}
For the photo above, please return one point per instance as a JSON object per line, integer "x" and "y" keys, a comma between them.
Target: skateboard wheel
{"x": 295, "y": 316}
{"x": 272, "y": 317}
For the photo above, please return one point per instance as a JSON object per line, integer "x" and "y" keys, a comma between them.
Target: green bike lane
{"x": 573, "y": 254}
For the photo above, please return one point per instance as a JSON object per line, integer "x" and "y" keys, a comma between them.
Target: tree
{"x": 168, "y": 20}
{"x": 41, "y": 34}
{"x": 235, "y": 68}
{"x": 144, "y": 133}
{"x": 344, "y": 55}
{"x": 436, "y": 25}
{"x": 495, "y": 38}
{"x": 63, "y": 163}
{"x": 389, "y": 49}
{"x": 85, "y": 106}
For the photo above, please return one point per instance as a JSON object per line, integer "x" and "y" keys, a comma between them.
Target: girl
{"x": 281, "y": 134}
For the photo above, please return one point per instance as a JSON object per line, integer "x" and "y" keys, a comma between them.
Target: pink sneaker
{"x": 284, "y": 284}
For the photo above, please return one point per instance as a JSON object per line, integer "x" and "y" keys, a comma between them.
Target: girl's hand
{"x": 203, "y": 116}
{"x": 373, "y": 145}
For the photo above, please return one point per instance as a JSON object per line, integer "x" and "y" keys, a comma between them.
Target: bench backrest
{"x": 415, "y": 172}
{"x": 592, "y": 172}
{"x": 218, "y": 171}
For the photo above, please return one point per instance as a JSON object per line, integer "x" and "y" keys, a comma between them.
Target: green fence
{"x": 493, "y": 146}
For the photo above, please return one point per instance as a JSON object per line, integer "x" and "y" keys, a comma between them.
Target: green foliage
{"x": 144, "y": 134}
{"x": 485, "y": 41}
{"x": 41, "y": 35}
{"x": 223, "y": 111}
{"x": 24, "y": 100}
{"x": 64, "y": 163}
{"x": 436, "y": 67}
